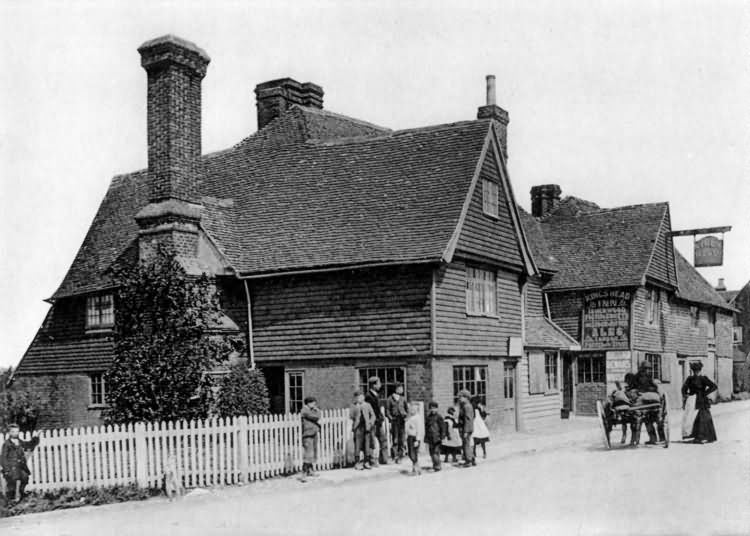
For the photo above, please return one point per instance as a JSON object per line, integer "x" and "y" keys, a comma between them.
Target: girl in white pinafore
{"x": 481, "y": 433}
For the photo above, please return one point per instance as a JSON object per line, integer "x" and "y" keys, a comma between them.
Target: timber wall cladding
{"x": 565, "y": 309}
{"x": 490, "y": 237}
{"x": 348, "y": 314}
{"x": 458, "y": 333}
{"x": 534, "y": 297}
{"x": 649, "y": 337}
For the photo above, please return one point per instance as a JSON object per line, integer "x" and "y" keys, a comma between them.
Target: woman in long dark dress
{"x": 700, "y": 386}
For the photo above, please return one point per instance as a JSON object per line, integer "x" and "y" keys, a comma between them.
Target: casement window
{"x": 653, "y": 307}
{"x": 471, "y": 378}
{"x": 659, "y": 367}
{"x": 695, "y": 316}
{"x": 711, "y": 324}
{"x": 481, "y": 292}
{"x": 542, "y": 372}
{"x": 390, "y": 377}
{"x": 295, "y": 391}
{"x": 737, "y": 334}
{"x": 591, "y": 369}
{"x": 490, "y": 198}
{"x": 98, "y": 390}
{"x": 509, "y": 381}
{"x": 100, "y": 311}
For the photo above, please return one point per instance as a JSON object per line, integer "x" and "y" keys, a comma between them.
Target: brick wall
{"x": 586, "y": 396}
{"x": 64, "y": 399}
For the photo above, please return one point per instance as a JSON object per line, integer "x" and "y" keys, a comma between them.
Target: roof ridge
{"x": 329, "y": 113}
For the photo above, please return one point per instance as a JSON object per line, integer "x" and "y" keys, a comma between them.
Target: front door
{"x": 567, "y": 383}
{"x": 508, "y": 419}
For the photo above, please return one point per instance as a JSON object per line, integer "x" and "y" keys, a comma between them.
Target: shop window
{"x": 100, "y": 311}
{"x": 471, "y": 378}
{"x": 737, "y": 334}
{"x": 653, "y": 307}
{"x": 98, "y": 390}
{"x": 490, "y": 198}
{"x": 591, "y": 369}
{"x": 295, "y": 391}
{"x": 390, "y": 377}
{"x": 481, "y": 292}
{"x": 655, "y": 365}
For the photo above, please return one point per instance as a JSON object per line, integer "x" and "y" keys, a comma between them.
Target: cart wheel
{"x": 603, "y": 424}
{"x": 665, "y": 420}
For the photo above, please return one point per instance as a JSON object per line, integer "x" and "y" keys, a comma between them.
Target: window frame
{"x": 695, "y": 316}
{"x": 600, "y": 373}
{"x": 97, "y": 379}
{"x": 481, "y": 291}
{"x": 490, "y": 198}
{"x": 656, "y": 362}
{"x": 471, "y": 382}
{"x": 737, "y": 335}
{"x": 98, "y": 315}
{"x": 653, "y": 307}
{"x": 711, "y": 330}
{"x": 551, "y": 356}
{"x": 294, "y": 404}
{"x": 388, "y": 385}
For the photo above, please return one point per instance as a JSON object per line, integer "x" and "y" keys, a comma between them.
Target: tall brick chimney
{"x": 275, "y": 97}
{"x": 492, "y": 111}
{"x": 175, "y": 68}
{"x": 544, "y": 199}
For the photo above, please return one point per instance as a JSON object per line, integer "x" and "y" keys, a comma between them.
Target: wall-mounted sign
{"x": 606, "y": 320}
{"x": 709, "y": 251}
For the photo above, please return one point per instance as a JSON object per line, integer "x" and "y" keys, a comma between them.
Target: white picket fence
{"x": 206, "y": 453}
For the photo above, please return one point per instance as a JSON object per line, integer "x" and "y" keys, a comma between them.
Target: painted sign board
{"x": 709, "y": 251}
{"x": 606, "y": 320}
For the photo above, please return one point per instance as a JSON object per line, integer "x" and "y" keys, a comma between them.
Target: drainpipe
{"x": 250, "y": 350}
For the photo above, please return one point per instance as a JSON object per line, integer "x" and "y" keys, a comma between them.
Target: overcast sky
{"x": 618, "y": 102}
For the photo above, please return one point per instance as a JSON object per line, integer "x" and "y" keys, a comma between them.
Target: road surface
{"x": 580, "y": 489}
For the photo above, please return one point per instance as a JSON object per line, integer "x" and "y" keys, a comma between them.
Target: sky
{"x": 619, "y": 102}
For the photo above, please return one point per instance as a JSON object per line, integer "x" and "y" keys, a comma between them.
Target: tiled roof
{"x": 693, "y": 287}
{"x": 537, "y": 243}
{"x": 543, "y": 333}
{"x": 312, "y": 189}
{"x": 728, "y": 295}
{"x": 592, "y": 247}
{"x": 55, "y": 357}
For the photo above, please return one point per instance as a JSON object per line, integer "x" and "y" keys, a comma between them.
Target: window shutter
{"x": 666, "y": 369}
{"x": 536, "y": 373}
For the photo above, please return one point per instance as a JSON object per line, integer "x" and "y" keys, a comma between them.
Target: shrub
{"x": 242, "y": 391}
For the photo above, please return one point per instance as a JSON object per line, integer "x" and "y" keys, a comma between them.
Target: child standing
{"x": 481, "y": 433}
{"x": 434, "y": 432}
{"x": 363, "y": 419}
{"x": 452, "y": 442}
{"x": 310, "y": 415}
{"x": 413, "y": 440}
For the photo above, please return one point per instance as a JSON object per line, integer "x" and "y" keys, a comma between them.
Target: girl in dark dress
{"x": 701, "y": 387}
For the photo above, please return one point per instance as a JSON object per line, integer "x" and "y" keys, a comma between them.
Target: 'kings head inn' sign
{"x": 606, "y": 320}
{"x": 709, "y": 251}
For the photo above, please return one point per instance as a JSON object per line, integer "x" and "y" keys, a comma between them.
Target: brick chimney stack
{"x": 275, "y": 97}
{"x": 544, "y": 199}
{"x": 492, "y": 111}
{"x": 175, "y": 68}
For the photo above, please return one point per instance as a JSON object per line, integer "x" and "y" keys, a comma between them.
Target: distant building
{"x": 613, "y": 281}
{"x": 740, "y": 300}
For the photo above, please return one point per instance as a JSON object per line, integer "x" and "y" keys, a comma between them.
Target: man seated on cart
{"x": 648, "y": 395}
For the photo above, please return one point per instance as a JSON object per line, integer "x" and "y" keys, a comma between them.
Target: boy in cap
{"x": 466, "y": 426}
{"x": 310, "y": 415}
{"x": 363, "y": 419}
{"x": 13, "y": 463}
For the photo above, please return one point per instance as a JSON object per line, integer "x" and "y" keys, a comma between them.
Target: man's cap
{"x": 373, "y": 380}
{"x": 464, "y": 393}
{"x": 357, "y": 392}
{"x": 309, "y": 399}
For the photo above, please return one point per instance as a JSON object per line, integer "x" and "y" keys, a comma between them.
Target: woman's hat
{"x": 696, "y": 365}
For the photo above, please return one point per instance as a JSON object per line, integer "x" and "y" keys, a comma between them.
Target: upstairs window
{"x": 100, "y": 311}
{"x": 695, "y": 316}
{"x": 653, "y": 307}
{"x": 737, "y": 335}
{"x": 481, "y": 292}
{"x": 711, "y": 324}
{"x": 490, "y": 198}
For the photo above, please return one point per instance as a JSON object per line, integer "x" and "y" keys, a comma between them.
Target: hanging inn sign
{"x": 709, "y": 250}
{"x": 606, "y": 320}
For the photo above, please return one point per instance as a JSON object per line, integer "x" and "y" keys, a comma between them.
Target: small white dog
{"x": 172, "y": 478}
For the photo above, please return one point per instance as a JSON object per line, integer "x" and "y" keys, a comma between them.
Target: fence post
{"x": 242, "y": 447}
{"x": 141, "y": 472}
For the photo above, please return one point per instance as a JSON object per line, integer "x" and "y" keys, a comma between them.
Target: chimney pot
{"x": 492, "y": 111}
{"x": 544, "y": 199}
{"x": 721, "y": 285}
